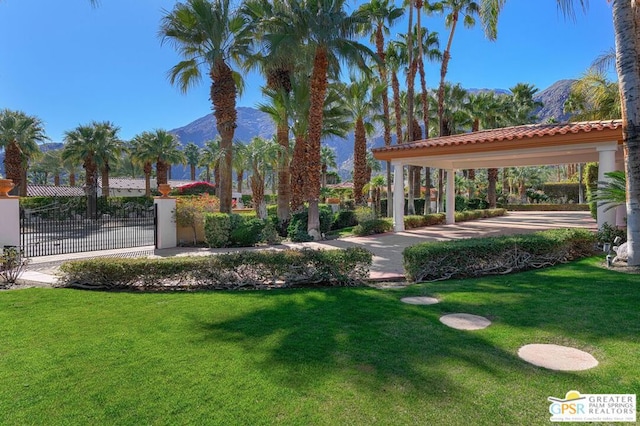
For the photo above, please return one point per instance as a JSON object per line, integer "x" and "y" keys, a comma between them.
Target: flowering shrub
{"x": 197, "y": 188}
{"x": 191, "y": 210}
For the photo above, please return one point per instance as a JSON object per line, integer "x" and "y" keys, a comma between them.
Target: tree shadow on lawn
{"x": 578, "y": 300}
{"x": 368, "y": 336}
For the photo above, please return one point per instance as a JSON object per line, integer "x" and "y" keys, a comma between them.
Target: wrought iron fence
{"x": 61, "y": 225}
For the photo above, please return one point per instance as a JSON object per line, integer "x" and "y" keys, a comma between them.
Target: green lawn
{"x": 319, "y": 356}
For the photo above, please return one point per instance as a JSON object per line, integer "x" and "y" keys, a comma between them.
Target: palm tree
{"x": 107, "y": 151}
{"x": 81, "y": 145}
{"x": 211, "y": 155}
{"x": 488, "y": 11}
{"x": 19, "y": 136}
{"x": 143, "y": 156}
{"x": 328, "y": 159}
{"x": 328, "y": 31}
{"x": 192, "y": 155}
{"x": 594, "y": 97}
{"x": 240, "y": 162}
{"x": 277, "y": 58}
{"x": 51, "y": 162}
{"x": 164, "y": 148}
{"x": 261, "y": 154}
{"x": 382, "y": 14}
{"x": 209, "y": 33}
{"x": 361, "y": 99}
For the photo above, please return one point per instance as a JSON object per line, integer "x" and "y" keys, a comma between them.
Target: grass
{"x": 318, "y": 356}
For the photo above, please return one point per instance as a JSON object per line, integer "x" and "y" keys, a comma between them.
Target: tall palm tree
{"x": 208, "y": 33}
{"x": 81, "y": 145}
{"x": 261, "y": 154}
{"x": 395, "y": 61}
{"x": 593, "y": 97}
{"x": 142, "y": 156}
{"x": 278, "y": 57}
{"x": 361, "y": 99}
{"x": 211, "y": 155}
{"x": 192, "y": 155}
{"x": 240, "y": 162}
{"x": 382, "y": 15}
{"x": 328, "y": 159}
{"x": 107, "y": 151}
{"x": 19, "y": 136}
{"x": 51, "y": 162}
{"x": 328, "y": 31}
{"x": 164, "y": 148}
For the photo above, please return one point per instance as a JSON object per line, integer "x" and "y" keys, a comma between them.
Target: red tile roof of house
{"x": 520, "y": 134}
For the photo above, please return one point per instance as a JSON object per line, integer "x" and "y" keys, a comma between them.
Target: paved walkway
{"x": 386, "y": 248}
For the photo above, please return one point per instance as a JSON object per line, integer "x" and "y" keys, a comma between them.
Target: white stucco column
{"x": 450, "y": 207}
{"x": 398, "y": 197}
{"x": 606, "y": 164}
{"x": 166, "y": 230}
{"x": 10, "y": 223}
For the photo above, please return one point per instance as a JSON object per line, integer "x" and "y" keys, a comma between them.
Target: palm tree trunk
{"x": 147, "y": 178}
{"x": 193, "y": 171}
{"x": 161, "y": 172}
{"x": 13, "y": 166}
{"x": 223, "y": 96}
{"x": 318, "y": 91}
{"x": 23, "y": 178}
{"x": 72, "y": 179}
{"x": 257, "y": 188}
{"x": 105, "y": 181}
{"x": 284, "y": 177}
{"x": 395, "y": 85}
{"x": 359, "y": 163}
{"x": 443, "y": 73}
{"x": 298, "y": 173}
{"x": 385, "y": 109}
{"x": 626, "y": 19}
{"x": 491, "y": 190}
{"x": 240, "y": 174}
{"x": 56, "y": 179}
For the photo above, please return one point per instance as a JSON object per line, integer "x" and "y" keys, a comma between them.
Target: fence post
{"x": 166, "y": 230}
{"x": 10, "y": 214}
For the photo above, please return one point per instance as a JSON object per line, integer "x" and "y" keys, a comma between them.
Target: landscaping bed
{"x": 229, "y": 271}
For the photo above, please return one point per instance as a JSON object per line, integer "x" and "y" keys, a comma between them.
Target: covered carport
{"x": 528, "y": 145}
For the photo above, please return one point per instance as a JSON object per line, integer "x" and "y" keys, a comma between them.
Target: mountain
{"x": 553, "y": 99}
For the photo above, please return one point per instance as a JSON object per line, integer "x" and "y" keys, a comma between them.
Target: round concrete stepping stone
{"x": 420, "y": 300}
{"x": 465, "y": 321}
{"x": 556, "y": 357}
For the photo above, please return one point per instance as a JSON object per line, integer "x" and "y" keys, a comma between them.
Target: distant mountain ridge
{"x": 252, "y": 122}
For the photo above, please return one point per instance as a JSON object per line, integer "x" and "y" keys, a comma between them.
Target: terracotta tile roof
{"x": 526, "y": 132}
{"x": 54, "y": 191}
{"x": 138, "y": 183}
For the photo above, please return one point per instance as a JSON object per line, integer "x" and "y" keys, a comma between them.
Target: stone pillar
{"x": 398, "y": 197}
{"x": 450, "y": 209}
{"x": 606, "y": 164}
{"x": 166, "y": 229}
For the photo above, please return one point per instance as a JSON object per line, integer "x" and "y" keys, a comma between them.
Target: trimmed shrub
{"x": 477, "y": 204}
{"x": 562, "y": 193}
{"x": 217, "y": 229}
{"x": 372, "y": 226}
{"x": 344, "y": 219}
{"x": 475, "y": 257}
{"x": 230, "y": 271}
{"x": 246, "y": 232}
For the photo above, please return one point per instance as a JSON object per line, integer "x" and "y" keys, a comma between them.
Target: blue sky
{"x": 69, "y": 63}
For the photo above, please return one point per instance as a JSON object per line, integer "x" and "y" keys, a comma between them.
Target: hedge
{"x": 475, "y": 257}
{"x": 230, "y": 271}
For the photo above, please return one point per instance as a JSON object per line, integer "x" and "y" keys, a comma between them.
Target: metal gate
{"x": 78, "y": 224}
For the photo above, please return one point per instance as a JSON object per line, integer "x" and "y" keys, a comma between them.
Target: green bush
{"x": 246, "y": 232}
{"x": 297, "y": 228}
{"x": 607, "y": 233}
{"x": 477, "y": 204}
{"x": 562, "y": 193}
{"x": 414, "y": 221}
{"x": 372, "y": 226}
{"x": 474, "y": 257}
{"x": 217, "y": 229}
{"x": 242, "y": 270}
{"x": 344, "y": 219}
{"x": 196, "y": 188}
{"x": 461, "y": 203}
